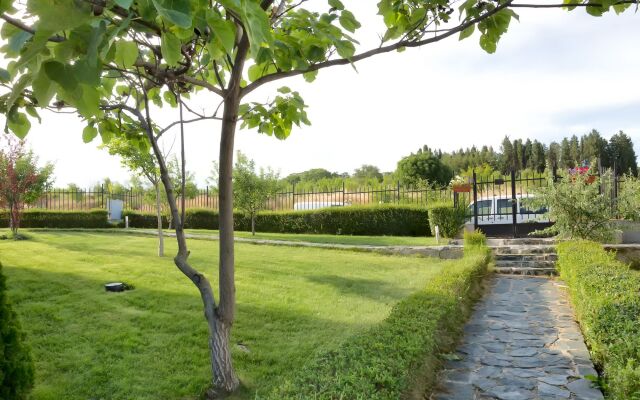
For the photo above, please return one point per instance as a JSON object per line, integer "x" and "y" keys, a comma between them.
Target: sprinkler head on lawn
{"x": 117, "y": 287}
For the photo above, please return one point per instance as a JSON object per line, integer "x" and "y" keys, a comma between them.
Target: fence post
{"x": 102, "y": 195}
{"x": 207, "y": 194}
{"x": 343, "y": 194}
{"x": 398, "y": 199}
{"x": 475, "y": 201}
{"x": 514, "y": 206}
{"x": 293, "y": 196}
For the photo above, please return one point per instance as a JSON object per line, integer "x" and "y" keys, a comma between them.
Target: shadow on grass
{"x": 148, "y": 343}
{"x": 371, "y": 288}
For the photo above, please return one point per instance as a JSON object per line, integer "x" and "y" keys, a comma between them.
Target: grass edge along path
{"x": 606, "y": 296}
{"x": 398, "y": 358}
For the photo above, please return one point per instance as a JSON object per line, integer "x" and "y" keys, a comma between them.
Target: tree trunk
{"x": 159, "y": 215}
{"x": 253, "y": 224}
{"x": 224, "y": 378}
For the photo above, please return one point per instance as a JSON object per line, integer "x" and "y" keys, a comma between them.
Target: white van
{"x": 315, "y": 205}
{"x": 496, "y": 210}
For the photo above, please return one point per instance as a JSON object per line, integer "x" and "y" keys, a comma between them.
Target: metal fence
{"x": 291, "y": 199}
{"x": 304, "y": 199}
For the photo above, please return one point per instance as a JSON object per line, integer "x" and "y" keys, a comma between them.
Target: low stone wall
{"x": 627, "y": 253}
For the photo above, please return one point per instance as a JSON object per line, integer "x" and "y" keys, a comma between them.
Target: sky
{"x": 555, "y": 73}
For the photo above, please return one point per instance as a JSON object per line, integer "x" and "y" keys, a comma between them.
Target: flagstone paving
{"x": 522, "y": 342}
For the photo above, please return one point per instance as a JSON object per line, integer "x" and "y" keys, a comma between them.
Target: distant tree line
{"x": 429, "y": 166}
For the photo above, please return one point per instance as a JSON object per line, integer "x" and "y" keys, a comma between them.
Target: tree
{"x": 574, "y": 151}
{"x": 553, "y": 156}
{"x": 312, "y": 175}
{"x": 252, "y": 190}
{"x": 142, "y": 163}
{"x": 366, "y": 172}
{"x": 22, "y": 182}
{"x": 594, "y": 147}
{"x": 538, "y": 156}
{"x": 577, "y": 207}
{"x": 111, "y": 60}
{"x": 621, "y": 154}
{"x": 424, "y": 167}
{"x": 566, "y": 159}
{"x": 508, "y": 158}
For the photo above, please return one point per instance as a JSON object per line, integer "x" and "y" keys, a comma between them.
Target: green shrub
{"x": 16, "y": 365}
{"x": 352, "y": 220}
{"x": 35, "y": 218}
{"x": 399, "y": 357}
{"x": 475, "y": 238}
{"x": 577, "y": 207}
{"x": 449, "y": 218}
{"x": 139, "y": 219}
{"x": 606, "y": 296}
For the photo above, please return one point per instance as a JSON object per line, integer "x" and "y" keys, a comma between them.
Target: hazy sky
{"x": 555, "y": 73}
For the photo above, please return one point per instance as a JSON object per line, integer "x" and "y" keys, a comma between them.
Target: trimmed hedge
{"x": 352, "y": 220}
{"x": 16, "y": 365}
{"x": 34, "y": 218}
{"x": 606, "y": 296}
{"x": 398, "y": 358}
{"x": 450, "y": 219}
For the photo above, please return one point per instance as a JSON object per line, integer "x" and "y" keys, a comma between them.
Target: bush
{"x": 475, "y": 238}
{"x": 16, "y": 365}
{"x": 577, "y": 207}
{"x": 399, "y": 356}
{"x": 606, "y": 296}
{"x": 352, "y": 220}
{"x": 34, "y": 218}
{"x": 449, "y": 218}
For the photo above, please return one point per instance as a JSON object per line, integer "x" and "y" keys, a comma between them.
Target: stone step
{"x": 526, "y": 271}
{"x": 525, "y": 264}
{"x": 526, "y": 257}
{"x": 491, "y": 242}
{"x": 539, "y": 249}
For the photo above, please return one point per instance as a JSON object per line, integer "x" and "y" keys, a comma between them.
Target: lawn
{"x": 334, "y": 239}
{"x": 150, "y": 343}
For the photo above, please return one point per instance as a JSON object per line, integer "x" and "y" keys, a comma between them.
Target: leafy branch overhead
{"x": 90, "y": 54}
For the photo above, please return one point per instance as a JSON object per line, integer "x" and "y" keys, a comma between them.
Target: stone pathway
{"x": 521, "y": 343}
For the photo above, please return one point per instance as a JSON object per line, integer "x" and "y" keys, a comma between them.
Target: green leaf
{"x": 59, "y": 15}
{"x": 61, "y": 74}
{"x": 126, "y": 53}
{"x": 255, "y": 72}
{"x": 595, "y": 11}
{"x": 18, "y": 123}
{"x": 345, "y": 48}
{"x": 488, "y": 44}
{"x": 124, "y": 3}
{"x": 348, "y": 21}
{"x": 5, "y": 76}
{"x": 310, "y": 76}
{"x": 337, "y": 4}
{"x": 467, "y": 32}
{"x": 170, "y": 48}
{"x": 257, "y": 25}
{"x": 43, "y": 88}
{"x": 31, "y": 110}
{"x": 175, "y": 11}
{"x": 223, "y": 30}
{"x": 89, "y": 133}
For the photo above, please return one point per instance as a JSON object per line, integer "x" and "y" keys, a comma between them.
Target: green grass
{"x": 335, "y": 239}
{"x": 150, "y": 343}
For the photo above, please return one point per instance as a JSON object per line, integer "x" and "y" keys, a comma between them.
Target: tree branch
{"x": 186, "y": 121}
{"x": 380, "y": 50}
{"x": 20, "y": 25}
{"x": 571, "y": 4}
